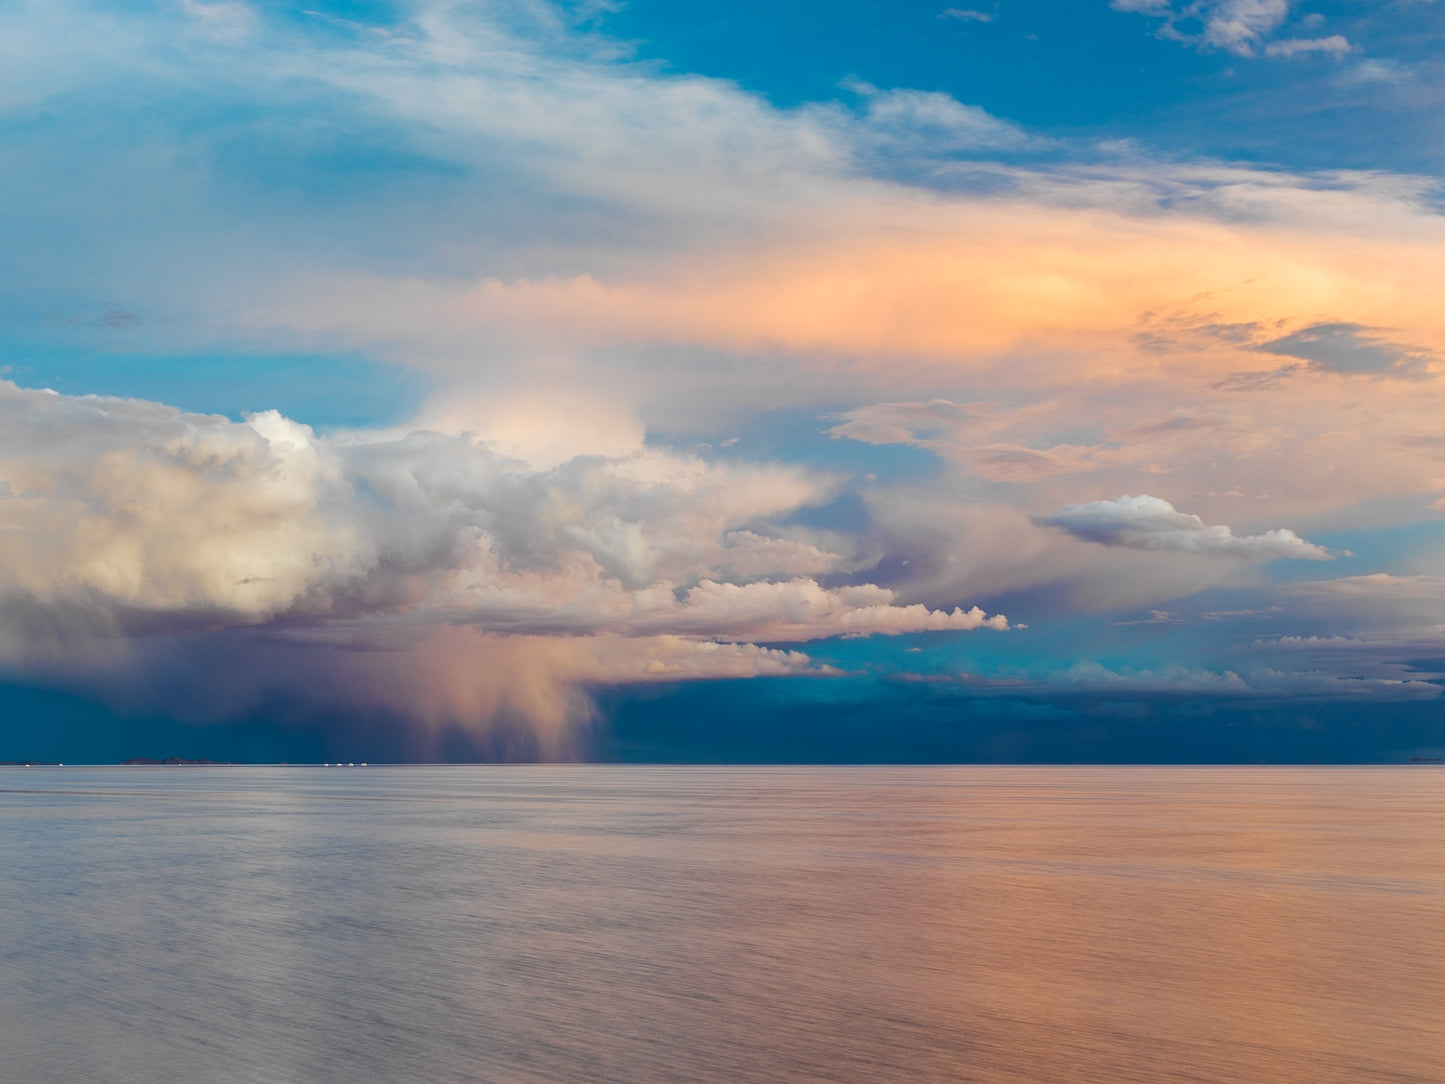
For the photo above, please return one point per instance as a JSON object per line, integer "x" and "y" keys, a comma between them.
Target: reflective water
{"x": 713, "y": 924}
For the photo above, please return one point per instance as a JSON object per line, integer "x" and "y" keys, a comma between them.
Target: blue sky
{"x": 1088, "y": 71}
{"x": 524, "y": 379}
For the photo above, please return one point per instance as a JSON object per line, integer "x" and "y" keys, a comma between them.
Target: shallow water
{"x": 717, "y": 924}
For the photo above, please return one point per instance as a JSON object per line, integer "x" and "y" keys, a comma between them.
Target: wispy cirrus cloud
{"x": 1245, "y": 28}
{"x": 1336, "y": 45}
{"x": 968, "y": 15}
{"x": 933, "y": 121}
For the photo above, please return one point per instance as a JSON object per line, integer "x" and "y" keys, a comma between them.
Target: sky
{"x": 787, "y": 381}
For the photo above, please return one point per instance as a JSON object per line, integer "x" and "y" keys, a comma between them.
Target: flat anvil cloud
{"x": 921, "y": 284}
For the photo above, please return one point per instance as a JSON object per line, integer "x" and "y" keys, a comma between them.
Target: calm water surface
{"x": 715, "y": 924}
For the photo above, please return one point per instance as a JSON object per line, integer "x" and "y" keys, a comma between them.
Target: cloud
{"x": 596, "y": 266}
{"x": 1031, "y": 447}
{"x": 1350, "y": 348}
{"x": 931, "y": 120}
{"x": 802, "y": 610}
{"x": 923, "y": 295}
{"x": 1261, "y": 683}
{"x": 1379, "y": 600}
{"x": 665, "y": 213}
{"x": 226, "y": 20}
{"x": 962, "y": 434}
{"x": 124, "y": 522}
{"x": 1235, "y": 26}
{"x": 1151, "y": 523}
{"x": 905, "y": 423}
{"x": 967, "y": 15}
{"x": 1335, "y": 45}
{"x": 970, "y": 435}
{"x": 1091, "y": 679}
{"x": 1388, "y": 72}
{"x": 1176, "y": 679}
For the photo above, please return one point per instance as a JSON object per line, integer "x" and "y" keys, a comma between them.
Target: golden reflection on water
{"x": 620, "y": 924}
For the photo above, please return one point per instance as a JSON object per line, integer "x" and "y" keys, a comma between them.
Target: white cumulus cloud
{"x": 122, "y": 519}
{"x": 1152, "y": 523}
